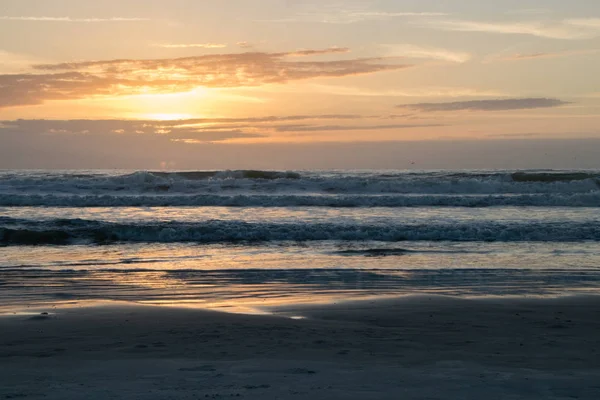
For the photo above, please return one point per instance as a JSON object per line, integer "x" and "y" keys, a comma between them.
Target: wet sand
{"x": 409, "y": 348}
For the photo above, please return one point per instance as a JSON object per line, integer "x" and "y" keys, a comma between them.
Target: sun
{"x": 167, "y": 116}
{"x": 167, "y": 106}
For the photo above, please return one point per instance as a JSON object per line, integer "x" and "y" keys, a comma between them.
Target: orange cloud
{"x": 322, "y": 128}
{"x": 570, "y": 29}
{"x": 487, "y": 105}
{"x": 76, "y": 80}
{"x": 532, "y": 56}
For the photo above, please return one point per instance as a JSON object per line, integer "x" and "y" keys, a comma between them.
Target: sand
{"x": 409, "y": 348}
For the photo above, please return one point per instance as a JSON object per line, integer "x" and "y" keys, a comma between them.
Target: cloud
{"x": 593, "y": 23}
{"x": 514, "y": 135}
{"x": 346, "y": 17}
{"x": 423, "y": 91}
{"x": 338, "y": 15}
{"x": 199, "y": 130}
{"x": 267, "y": 119}
{"x": 487, "y": 105}
{"x": 533, "y": 56}
{"x": 570, "y": 29}
{"x": 77, "y": 80}
{"x": 194, "y": 64}
{"x": 245, "y": 45}
{"x": 316, "y": 128}
{"x": 530, "y": 56}
{"x": 70, "y": 19}
{"x": 169, "y": 130}
{"x": 150, "y": 152}
{"x": 211, "y": 136}
{"x": 412, "y": 51}
{"x": 192, "y": 45}
{"x": 330, "y": 50}
{"x": 182, "y": 129}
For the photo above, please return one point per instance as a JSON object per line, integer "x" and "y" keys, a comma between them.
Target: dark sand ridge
{"x": 419, "y": 347}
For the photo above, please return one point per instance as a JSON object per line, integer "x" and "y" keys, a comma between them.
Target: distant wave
{"x": 240, "y": 174}
{"x": 288, "y": 188}
{"x": 69, "y": 231}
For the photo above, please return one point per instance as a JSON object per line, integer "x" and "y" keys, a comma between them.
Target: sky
{"x": 185, "y": 84}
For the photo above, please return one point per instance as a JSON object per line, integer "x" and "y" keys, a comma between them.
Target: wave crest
{"x": 288, "y": 188}
{"x": 550, "y": 177}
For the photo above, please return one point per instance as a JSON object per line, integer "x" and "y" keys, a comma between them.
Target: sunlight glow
{"x": 167, "y": 116}
{"x": 167, "y": 107}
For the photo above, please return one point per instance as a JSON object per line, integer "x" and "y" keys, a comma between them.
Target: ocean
{"x": 241, "y": 240}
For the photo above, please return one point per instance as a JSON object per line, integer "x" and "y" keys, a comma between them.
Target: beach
{"x": 413, "y": 347}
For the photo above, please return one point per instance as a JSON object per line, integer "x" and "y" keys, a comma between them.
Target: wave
{"x": 33, "y": 237}
{"x": 553, "y": 176}
{"x": 591, "y": 199}
{"x": 257, "y": 182}
{"x": 377, "y": 252}
{"x": 76, "y": 231}
{"x": 240, "y": 174}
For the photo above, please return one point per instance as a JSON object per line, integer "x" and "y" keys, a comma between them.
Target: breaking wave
{"x": 118, "y": 185}
{"x": 70, "y": 231}
{"x": 255, "y": 188}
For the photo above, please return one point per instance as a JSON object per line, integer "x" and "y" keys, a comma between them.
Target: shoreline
{"x": 408, "y": 345}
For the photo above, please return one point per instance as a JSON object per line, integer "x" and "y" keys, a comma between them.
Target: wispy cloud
{"x": 330, "y": 50}
{"x": 413, "y": 51}
{"x": 487, "y": 105}
{"x": 514, "y": 135}
{"x": 70, "y": 19}
{"x": 191, "y": 45}
{"x": 200, "y": 130}
{"x": 341, "y": 14}
{"x": 533, "y": 56}
{"x": 593, "y": 23}
{"x": 317, "y": 128}
{"x": 529, "y": 56}
{"x": 76, "y": 80}
{"x": 355, "y": 16}
{"x": 270, "y": 119}
{"x": 569, "y": 29}
{"x": 123, "y": 128}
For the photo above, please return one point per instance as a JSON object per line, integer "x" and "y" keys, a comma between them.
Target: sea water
{"x": 251, "y": 238}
